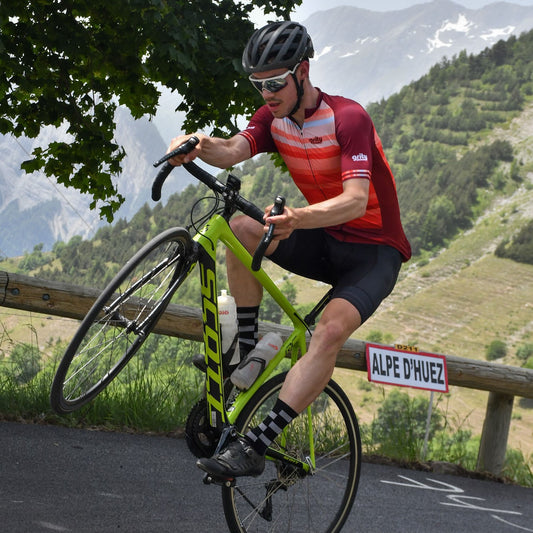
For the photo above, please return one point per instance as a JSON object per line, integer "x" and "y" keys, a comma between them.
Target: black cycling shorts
{"x": 362, "y": 274}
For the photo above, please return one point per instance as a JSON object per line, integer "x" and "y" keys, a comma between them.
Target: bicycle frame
{"x": 217, "y": 229}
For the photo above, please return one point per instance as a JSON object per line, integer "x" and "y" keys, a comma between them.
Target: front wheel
{"x": 121, "y": 318}
{"x": 283, "y": 499}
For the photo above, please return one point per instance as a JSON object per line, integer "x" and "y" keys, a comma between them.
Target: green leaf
{"x": 31, "y": 165}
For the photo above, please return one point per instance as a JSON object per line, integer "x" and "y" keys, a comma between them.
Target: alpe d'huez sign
{"x": 406, "y": 368}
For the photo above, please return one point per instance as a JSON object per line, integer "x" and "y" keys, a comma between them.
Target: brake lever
{"x": 277, "y": 209}
{"x": 167, "y": 168}
{"x": 184, "y": 148}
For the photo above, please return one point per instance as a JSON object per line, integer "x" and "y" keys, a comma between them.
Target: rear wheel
{"x": 283, "y": 499}
{"x": 121, "y": 319}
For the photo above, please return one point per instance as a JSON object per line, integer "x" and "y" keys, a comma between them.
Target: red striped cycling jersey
{"x": 337, "y": 142}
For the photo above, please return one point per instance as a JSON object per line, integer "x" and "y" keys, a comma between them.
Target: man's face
{"x": 280, "y": 102}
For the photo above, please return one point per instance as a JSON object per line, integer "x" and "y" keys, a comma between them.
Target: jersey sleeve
{"x": 258, "y": 134}
{"x": 355, "y": 134}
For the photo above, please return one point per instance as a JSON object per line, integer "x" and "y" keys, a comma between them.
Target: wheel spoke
{"x": 120, "y": 320}
{"x": 285, "y": 498}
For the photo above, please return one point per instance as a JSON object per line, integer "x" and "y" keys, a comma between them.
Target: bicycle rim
{"x": 121, "y": 319}
{"x": 281, "y": 499}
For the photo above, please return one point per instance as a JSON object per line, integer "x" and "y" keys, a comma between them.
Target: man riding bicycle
{"x": 349, "y": 236}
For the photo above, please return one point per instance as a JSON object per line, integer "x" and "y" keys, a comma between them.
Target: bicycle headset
{"x": 278, "y": 45}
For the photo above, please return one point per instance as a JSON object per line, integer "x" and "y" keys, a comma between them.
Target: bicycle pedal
{"x": 198, "y": 361}
{"x": 210, "y": 479}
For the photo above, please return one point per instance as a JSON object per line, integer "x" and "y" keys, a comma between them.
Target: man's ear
{"x": 304, "y": 69}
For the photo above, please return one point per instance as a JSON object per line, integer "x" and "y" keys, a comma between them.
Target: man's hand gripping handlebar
{"x": 277, "y": 209}
{"x": 244, "y": 205}
{"x": 166, "y": 169}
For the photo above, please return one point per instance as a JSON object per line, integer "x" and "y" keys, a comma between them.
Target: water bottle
{"x": 246, "y": 373}
{"x": 227, "y": 318}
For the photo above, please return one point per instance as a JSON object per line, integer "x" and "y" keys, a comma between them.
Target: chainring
{"x": 201, "y": 437}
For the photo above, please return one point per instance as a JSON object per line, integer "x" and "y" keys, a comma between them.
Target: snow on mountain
{"x": 370, "y": 55}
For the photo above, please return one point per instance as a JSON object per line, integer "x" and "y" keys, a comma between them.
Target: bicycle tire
{"x": 318, "y": 502}
{"x": 121, "y": 319}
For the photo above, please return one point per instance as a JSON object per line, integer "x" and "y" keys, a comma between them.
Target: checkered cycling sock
{"x": 248, "y": 321}
{"x": 262, "y": 436}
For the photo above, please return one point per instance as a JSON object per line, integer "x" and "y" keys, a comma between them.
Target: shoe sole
{"x": 221, "y": 475}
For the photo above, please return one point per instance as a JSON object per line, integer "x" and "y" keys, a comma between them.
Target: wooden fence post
{"x": 493, "y": 445}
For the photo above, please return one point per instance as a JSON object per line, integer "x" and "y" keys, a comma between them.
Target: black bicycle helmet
{"x": 277, "y": 45}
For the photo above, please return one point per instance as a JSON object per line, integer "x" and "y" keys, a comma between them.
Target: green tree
{"x": 270, "y": 310}
{"x": 440, "y": 221}
{"x": 34, "y": 260}
{"x": 520, "y": 249}
{"x": 71, "y": 62}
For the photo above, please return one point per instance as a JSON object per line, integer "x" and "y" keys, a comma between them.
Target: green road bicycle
{"x": 313, "y": 467}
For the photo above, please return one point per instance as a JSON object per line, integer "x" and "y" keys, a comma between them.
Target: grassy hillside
{"x": 463, "y": 294}
{"x": 464, "y": 297}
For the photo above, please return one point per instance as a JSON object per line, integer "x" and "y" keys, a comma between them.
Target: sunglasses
{"x": 274, "y": 84}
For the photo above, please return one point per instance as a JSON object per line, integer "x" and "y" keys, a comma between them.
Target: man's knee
{"x": 339, "y": 320}
{"x": 333, "y": 332}
{"x": 247, "y": 230}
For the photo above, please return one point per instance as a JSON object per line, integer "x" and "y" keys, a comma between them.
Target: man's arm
{"x": 348, "y": 205}
{"x": 215, "y": 151}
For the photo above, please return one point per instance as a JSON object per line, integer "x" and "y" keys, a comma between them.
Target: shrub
{"x": 25, "y": 361}
{"x": 400, "y": 426}
{"x": 375, "y": 336}
{"x": 496, "y": 350}
{"x": 521, "y": 247}
{"x": 525, "y": 351}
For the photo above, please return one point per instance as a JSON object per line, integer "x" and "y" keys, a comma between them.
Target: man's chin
{"x": 275, "y": 109}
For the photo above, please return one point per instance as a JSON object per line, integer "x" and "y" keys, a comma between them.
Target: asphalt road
{"x": 57, "y": 479}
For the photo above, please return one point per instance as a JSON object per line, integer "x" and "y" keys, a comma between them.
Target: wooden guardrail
{"x": 503, "y": 382}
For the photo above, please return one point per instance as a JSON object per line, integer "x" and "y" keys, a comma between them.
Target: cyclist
{"x": 350, "y": 235}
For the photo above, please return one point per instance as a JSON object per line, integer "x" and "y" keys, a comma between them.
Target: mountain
{"x": 369, "y": 55}
{"x": 35, "y": 209}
